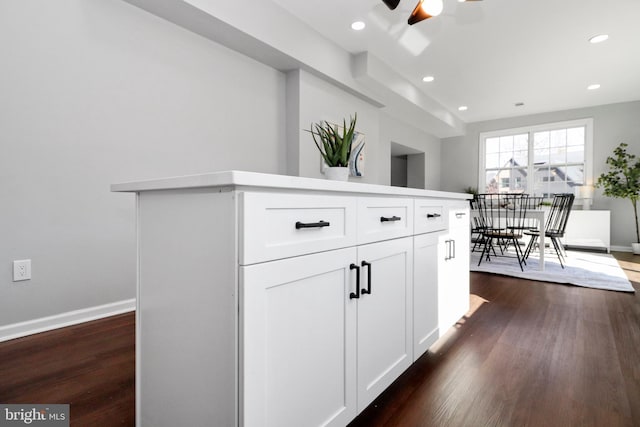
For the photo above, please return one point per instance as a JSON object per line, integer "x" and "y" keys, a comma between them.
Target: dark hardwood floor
{"x": 526, "y": 354}
{"x": 90, "y": 366}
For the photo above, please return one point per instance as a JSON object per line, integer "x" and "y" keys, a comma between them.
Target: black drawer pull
{"x": 368, "y": 290}
{"x": 391, "y": 219}
{"x": 433, "y": 215}
{"x": 319, "y": 224}
{"x": 355, "y": 294}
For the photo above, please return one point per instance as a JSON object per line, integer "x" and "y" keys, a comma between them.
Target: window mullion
{"x": 530, "y": 168}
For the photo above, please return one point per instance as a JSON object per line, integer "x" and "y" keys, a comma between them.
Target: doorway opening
{"x": 407, "y": 166}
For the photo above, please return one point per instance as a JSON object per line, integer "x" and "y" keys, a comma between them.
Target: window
{"x": 540, "y": 160}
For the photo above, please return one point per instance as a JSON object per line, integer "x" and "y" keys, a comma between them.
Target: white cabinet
{"x": 276, "y": 226}
{"x": 588, "y": 230}
{"x": 453, "y": 268}
{"x": 306, "y": 318}
{"x": 299, "y": 341}
{"x": 441, "y": 271}
{"x": 385, "y": 316}
{"x": 250, "y": 311}
{"x": 383, "y": 218}
{"x": 430, "y": 216}
{"x": 426, "y": 249}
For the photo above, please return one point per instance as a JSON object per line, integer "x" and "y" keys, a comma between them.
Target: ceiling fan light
{"x": 391, "y": 4}
{"x": 432, "y": 7}
{"x": 425, "y": 9}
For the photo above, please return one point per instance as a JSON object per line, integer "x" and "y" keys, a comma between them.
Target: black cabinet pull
{"x": 389, "y": 219}
{"x": 319, "y": 224}
{"x": 368, "y": 290}
{"x": 355, "y": 294}
{"x": 436, "y": 215}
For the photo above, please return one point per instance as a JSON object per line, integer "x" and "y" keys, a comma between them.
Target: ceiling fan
{"x": 425, "y": 9}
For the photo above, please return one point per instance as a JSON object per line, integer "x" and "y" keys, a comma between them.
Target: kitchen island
{"x": 268, "y": 300}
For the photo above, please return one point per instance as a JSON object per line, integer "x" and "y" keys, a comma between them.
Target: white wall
{"x": 392, "y": 130}
{"x": 319, "y": 100}
{"x": 97, "y": 92}
{"x": 613, "y": 124}
{"x": 315, "y": 100}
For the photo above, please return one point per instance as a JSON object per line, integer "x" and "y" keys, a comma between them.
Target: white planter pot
{"x": 338, "y": 173}
{"x": 635, "y": 247}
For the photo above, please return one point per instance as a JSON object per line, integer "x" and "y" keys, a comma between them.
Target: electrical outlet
{"x": 21, "y": 270}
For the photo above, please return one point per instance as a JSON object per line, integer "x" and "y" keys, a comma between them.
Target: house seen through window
{"x": 541, "y": 160}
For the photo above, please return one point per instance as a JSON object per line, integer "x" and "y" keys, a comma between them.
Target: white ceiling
{"x": 491, "y": 54}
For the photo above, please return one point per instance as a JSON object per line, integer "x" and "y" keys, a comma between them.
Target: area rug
{"x": 587, "y": 269}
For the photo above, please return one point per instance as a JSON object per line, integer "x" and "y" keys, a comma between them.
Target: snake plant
{"x": 334, "y": 144}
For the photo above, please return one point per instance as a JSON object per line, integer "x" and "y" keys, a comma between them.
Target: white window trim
{"x": 588, "y": 135}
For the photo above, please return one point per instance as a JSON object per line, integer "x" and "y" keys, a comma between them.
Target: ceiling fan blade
{"x": 391, "y": 4}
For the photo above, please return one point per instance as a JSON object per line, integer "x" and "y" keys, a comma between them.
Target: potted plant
{"x": 334, "y": 145}
{"x": 471, "y": 190}
{"x": 623, "y": 181}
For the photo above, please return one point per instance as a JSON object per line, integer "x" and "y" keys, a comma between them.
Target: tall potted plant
{"x": 334, "y": 145}
{"x": 623, "y": 181}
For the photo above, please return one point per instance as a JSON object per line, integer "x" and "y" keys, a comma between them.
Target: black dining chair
{"x": 504, "y": 216}
{"x": 477, "y": 225}
{"x": 555, "y": 226}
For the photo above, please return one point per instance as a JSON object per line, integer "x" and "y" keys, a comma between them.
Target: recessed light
{"x": 593, "y": 87}
{"x": 358, "y": 25}
{"x": 463, "y": 108}
{"x": 428, "y": 79}
{"x": 598, "y": 38}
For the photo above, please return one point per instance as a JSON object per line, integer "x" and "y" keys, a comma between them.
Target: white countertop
{"x": 281, "y": 182}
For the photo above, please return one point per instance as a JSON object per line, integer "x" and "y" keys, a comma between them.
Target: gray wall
{"x": 392, "y": 130}
{"x": 399, "y": 171}
{"x": 613, "y": 124}
{"x": 96, "y": 92}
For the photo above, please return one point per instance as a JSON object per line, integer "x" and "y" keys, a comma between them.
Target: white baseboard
{"x": 22, "y": 329}
{"x": 621, "y": 248}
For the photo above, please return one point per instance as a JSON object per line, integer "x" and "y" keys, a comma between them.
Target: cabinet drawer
{"x": 430, "y": 215}
{"x": 384, "y": 218}
{"x": 275, "y": 226}
{"x": 459, "y": 216}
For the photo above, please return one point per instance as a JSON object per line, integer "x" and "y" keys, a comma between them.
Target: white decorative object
{"x": 356, "y": 161}
{"x": 337, "y": 173}
{"x": 588, "y": 230}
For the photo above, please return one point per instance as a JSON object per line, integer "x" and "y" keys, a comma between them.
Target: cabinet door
{"x": 384, "y": 316}
{"x": 425, "y": 292}
{"x": 453, "y": 270}
{"x": 298, "y": 341}
{"x": 459, "y": 264}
